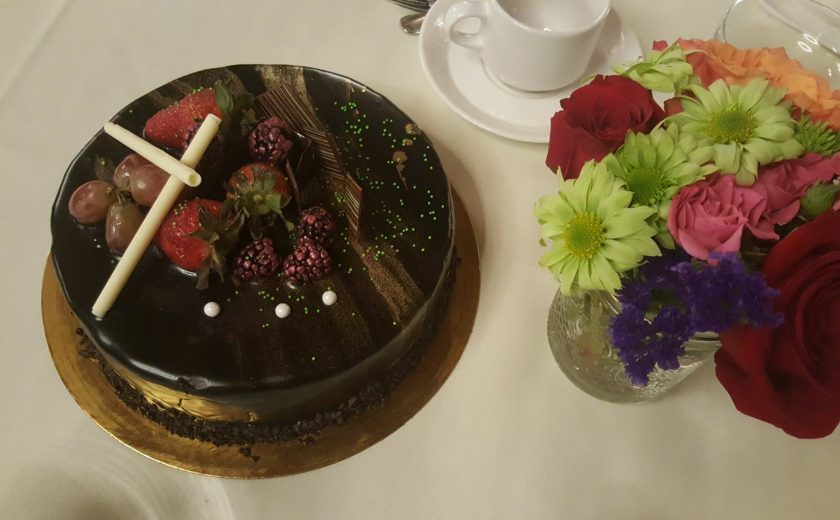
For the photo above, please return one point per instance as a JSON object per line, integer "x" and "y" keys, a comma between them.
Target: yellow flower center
{"x": 584, "y": 235}
{"x": 732, "y": 125}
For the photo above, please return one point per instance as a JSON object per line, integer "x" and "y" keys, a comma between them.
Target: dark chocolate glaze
{"x": 388, "y": 281}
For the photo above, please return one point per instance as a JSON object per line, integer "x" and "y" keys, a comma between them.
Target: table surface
{"x": 508, "y": 436}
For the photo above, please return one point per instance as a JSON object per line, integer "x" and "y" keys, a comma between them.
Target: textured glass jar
{"x": 578, "y": 332}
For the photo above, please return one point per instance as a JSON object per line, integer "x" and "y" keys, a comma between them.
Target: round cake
{"x": 355, "y": 278}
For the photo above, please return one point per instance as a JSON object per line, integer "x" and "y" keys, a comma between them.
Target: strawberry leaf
{"x": 229, "y": 210}
{"x": 238, "y": 111}
{"x": 274, "y": 203}
{"x": 206, "y": 235}
{"x": 224, "y": 100}
{"x": 203, "y": 274}
{"x": 264, "y": 180}
{"x": 249, "y": 121}
{"x": 205, "y": 219}
{"x": 255, "y": 226}
{"x": 221, "y": 234}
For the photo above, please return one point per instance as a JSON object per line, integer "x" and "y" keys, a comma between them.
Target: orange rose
{"x": 807, "y": 90}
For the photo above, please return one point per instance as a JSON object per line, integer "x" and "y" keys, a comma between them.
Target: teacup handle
{"x": 460, "y": 11}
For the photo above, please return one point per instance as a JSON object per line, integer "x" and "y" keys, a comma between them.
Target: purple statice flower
{"x": 672, "y": 298}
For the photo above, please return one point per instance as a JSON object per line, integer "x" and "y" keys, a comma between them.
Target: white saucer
{"x": 458, "y": 76}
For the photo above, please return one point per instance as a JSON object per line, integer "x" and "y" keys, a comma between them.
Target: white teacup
{"x": 531, "y": 45}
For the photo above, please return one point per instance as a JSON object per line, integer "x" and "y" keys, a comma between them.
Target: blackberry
{"x": 270, "y": 141}
{"x": 318, "y": 224}
{"x": 307, "y": 263}
{"x": 257, "y": 259}
{"x": 214, "y": 154}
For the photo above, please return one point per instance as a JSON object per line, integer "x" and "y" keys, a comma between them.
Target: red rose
{"x": 790, "y": 376}
{"x": 595, "y": 119}
{"x": 673, "y": 106}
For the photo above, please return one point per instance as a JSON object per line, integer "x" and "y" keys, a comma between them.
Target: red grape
{"x": 146, "y": 183}
{"x": 123, "y": 220}
{"x": 89, "y": 203}
{"x": 123, "y": 171}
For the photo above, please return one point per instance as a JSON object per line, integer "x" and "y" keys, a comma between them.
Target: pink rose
{"x": 784, "y": 183}
{"x": 710, "y": 215}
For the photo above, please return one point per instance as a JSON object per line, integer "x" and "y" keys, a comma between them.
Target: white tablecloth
{"x": 506, "y": 437}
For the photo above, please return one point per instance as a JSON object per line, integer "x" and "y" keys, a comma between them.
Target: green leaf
{"x": 255, "y": 226}
{"x": 264, "y": 180}
{"x": 203, "y": 276}
{"x": 285, "y": 200}
{"x": 205, "y": 218}
{"x": 248, "y": 122}
{"x": 224, "y": 100}
{"x": 274, "y": 202}
{"x": 237, "y": 111}
{"x": 818, "y": 199}
{"x": 817, "y": 137}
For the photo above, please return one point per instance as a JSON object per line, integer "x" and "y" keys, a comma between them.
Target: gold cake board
{"x": 88, "y": 386}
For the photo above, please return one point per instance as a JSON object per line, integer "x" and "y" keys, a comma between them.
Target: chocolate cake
{"x": 276, "y": 350}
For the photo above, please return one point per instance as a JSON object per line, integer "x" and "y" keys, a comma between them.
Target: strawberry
{"x": 168, "y": 126}
{"x": 197, "y": 234}
{"x": 260, "y": 190}
{"x": 256, "y": 173}
{"x": 171, "y": 126}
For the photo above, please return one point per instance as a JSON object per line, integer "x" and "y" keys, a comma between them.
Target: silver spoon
{"x": 411, "y": 23}
{"x": 414, "y": 5}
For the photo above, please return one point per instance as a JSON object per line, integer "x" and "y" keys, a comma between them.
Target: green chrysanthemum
{"x": 655, "y": 166}
{"x": 595, "y": 233}
{"x": 817, "y": 137}
{"x": 746, "y": 126}
{"x": 662, "y": 71}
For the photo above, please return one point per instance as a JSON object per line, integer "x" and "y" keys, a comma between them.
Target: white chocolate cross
{"x": 180, "y": 174}
{"x": 155, "y": 155}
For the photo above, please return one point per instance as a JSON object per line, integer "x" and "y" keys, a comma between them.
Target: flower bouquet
{"x": 713, "y": 212}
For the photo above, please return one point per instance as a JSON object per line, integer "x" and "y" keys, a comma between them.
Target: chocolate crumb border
{"x": 305, "y": 431}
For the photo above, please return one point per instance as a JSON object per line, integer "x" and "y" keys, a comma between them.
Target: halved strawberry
{"x": 197, "y": 234}
{"x": 168, "y": 126}
{"x": 259, "y": 189}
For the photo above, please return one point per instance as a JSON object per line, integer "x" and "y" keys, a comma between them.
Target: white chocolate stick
{"x": 157, "y": 213}
{"x": 185, "y": 172}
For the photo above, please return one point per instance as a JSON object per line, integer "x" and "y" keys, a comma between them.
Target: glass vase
{"x": 808, "y": 30}
{"x": 578, "y": 333}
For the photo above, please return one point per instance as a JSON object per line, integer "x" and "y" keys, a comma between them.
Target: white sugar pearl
{"x": 282, "y": 310}
{"x": 329, "y": 297}
{"x": 212, "y": 309}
